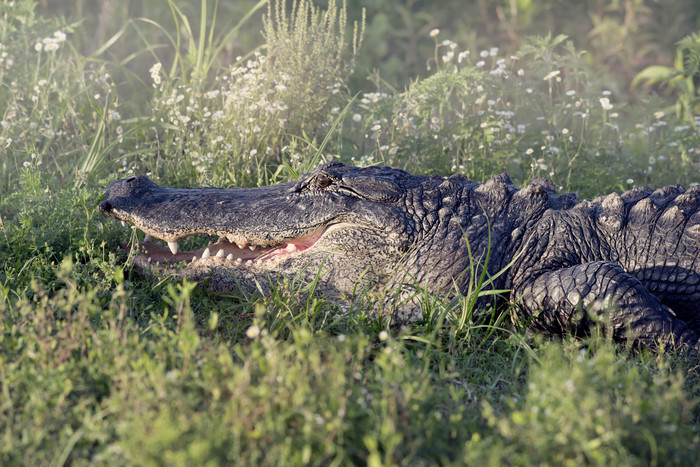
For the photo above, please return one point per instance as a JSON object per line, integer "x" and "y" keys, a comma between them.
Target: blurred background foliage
{"x": 621, "y": 37}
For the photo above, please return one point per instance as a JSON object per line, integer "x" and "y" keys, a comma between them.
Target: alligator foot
{"x": 571, "y": 300}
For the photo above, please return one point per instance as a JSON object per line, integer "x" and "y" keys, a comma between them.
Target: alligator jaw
{"x": 225, "y": 253}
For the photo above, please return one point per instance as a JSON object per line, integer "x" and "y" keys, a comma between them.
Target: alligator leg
{"x": 557, "y": 299}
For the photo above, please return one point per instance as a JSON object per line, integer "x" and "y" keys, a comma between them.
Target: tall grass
{"x": 101, "y": 365}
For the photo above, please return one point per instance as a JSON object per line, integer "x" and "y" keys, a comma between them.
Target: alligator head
{"x": 346, "y": 224}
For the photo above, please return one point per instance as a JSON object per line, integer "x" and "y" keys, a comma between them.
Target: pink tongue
{"x": 283, "y": 250}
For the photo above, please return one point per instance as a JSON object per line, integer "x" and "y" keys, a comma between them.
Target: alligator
{"x": 631, "y": 259}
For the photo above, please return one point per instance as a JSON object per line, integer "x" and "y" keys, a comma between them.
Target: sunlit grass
{"x": 101, "y": 365}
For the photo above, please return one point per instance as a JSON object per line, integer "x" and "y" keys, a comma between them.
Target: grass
{"x": 99, "y": 365}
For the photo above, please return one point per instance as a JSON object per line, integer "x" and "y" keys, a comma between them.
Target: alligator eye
{"x": 323, "y": 180}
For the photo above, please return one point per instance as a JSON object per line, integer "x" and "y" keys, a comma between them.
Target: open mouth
{"x": 224, "y": 252}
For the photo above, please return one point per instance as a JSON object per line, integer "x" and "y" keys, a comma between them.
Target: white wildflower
{"x": 253, "y": 332}
{"x": 551, "y": 75}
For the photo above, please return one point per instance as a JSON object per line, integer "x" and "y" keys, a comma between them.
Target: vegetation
{"x": 99, "y": 365}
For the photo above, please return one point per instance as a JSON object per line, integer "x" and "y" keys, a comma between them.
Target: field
{"x": 101, "y": 365}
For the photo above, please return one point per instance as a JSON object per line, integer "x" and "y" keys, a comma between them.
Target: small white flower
{"x": 571, "y": 92}
{"x": 356, "y": 117}
{"x": 38, "y": 46}
{"x": 480, "y": 63}
{"x": 383, "y": 336}
{"x": 521, "y": 72}
{"x": 253, "y": 152}
{"x": 552, "y": 74}
{"x": 605, "y": 103}
{"x": 434, "y": 32}
{"x": 252, "y": 332}
{"x": 659, "y": 115}
{"x": 51, "y": 47}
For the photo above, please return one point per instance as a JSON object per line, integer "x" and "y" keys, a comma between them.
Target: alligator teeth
{"x": 240, "y": 245}
{"x": 123, "y": 223}
{"x": 173, "y": 247}
{"x": 206, "y": 253}
{"x": 194, "y": 258}
{"x": 146, "y": 238}
{"x": 249, "y": 262}
{"x": 220, "y": 253}
{"x": 239, "y": 260}
{"x": 149, "y": 259}
{"x": 230, "y": 257}
{"x": 252, "y": 247}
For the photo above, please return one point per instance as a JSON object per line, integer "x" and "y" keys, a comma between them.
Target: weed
{"x": 101, "y": 365}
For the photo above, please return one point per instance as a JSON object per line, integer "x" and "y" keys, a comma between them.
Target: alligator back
{"x": 655, "y": 236}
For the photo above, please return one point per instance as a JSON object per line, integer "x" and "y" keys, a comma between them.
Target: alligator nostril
{"x": 130, "y": 179}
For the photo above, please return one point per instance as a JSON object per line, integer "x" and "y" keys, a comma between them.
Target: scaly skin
{"x": 630, "y": 258}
